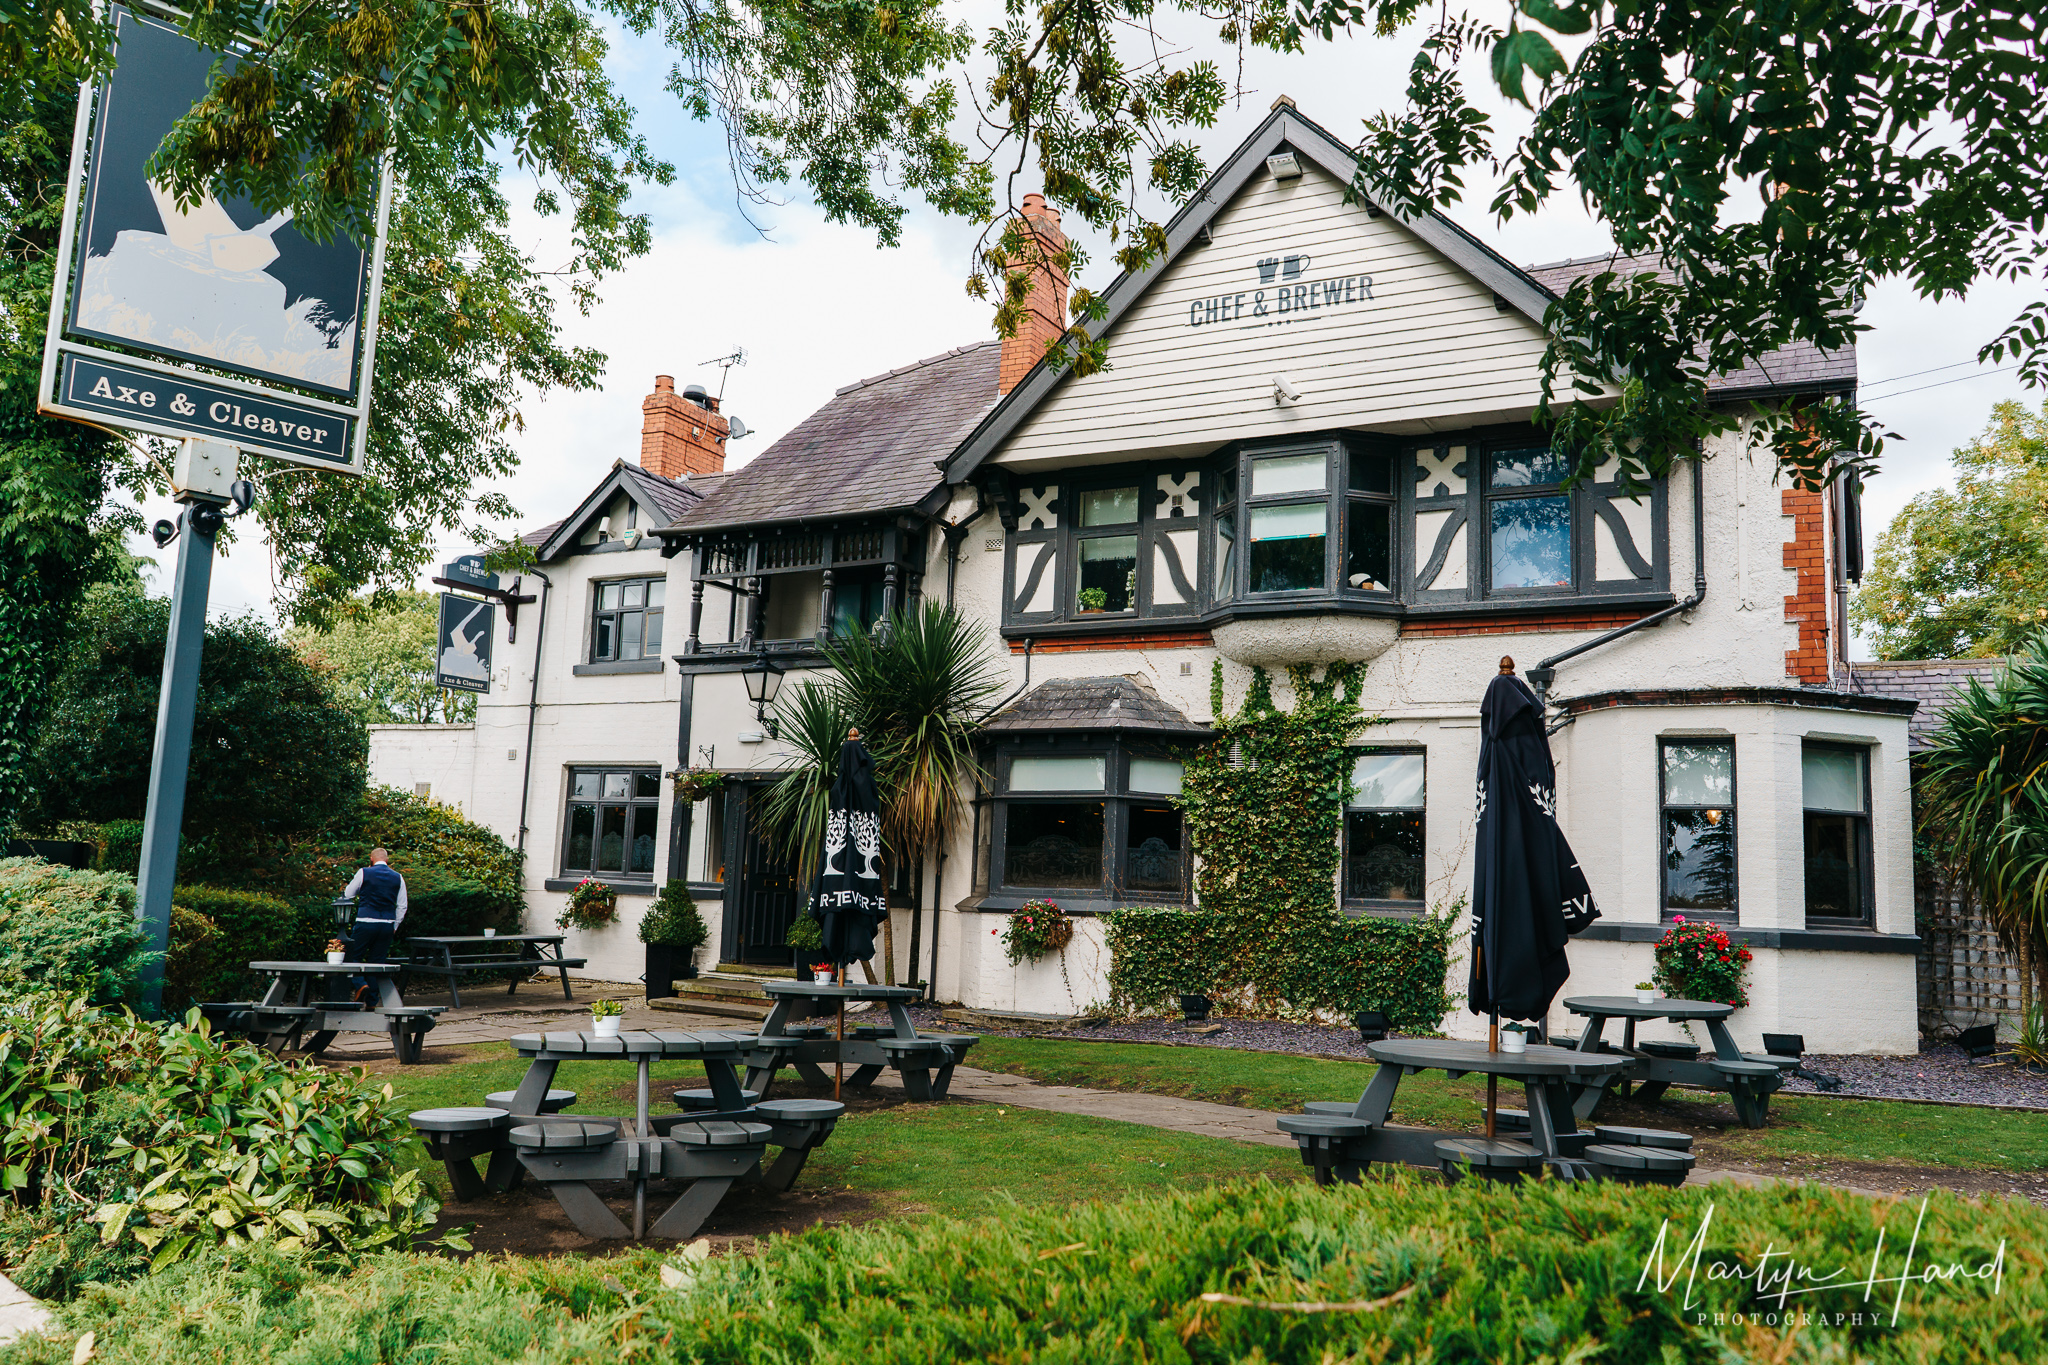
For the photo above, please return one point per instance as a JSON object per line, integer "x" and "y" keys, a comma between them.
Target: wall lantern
{"x": 764, "y": 679}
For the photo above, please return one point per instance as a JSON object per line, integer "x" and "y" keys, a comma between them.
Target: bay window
{"x": 1096, "y": 824}
{"x": 1698, "y": 826}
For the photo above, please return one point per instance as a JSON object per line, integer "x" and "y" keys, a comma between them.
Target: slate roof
{"x": 1064, "y": 705}
{"x": 1800, "y": 366}
{"x": 674, "y": 496}
{"x": 1933, "y": 683}
{"x": 874, "y": 447}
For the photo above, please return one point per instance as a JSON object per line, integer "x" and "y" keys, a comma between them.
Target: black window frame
{"x": 1731, "y": 812}
{"x": 1375, "y": 905}
{"x": 1491, "y": 496}
{"x": 1133, "y": 530}
{"x": 637, "y": 806}
{"x": 1866, "y": 879}
{"x": 600, "y": 616}
{"x": 1251, "y": 503}
{"x": 1117, "y": 799}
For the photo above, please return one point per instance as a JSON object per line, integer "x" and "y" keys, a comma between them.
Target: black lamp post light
{"x": 764, "y": 679}
{"x": 344, "y": 914}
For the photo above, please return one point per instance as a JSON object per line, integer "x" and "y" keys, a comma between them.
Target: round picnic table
{"x": 1749, "y": 1081}
{"x": 288, "y": 1007}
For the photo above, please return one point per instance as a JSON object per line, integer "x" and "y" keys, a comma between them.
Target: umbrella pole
{"x": 1492, "y": 1081}
{"x": 839, "y": 1053}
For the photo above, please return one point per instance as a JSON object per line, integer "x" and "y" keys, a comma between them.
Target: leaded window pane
{"x": 1699, "y": 774}
{"x": 1529, "y": 468}
{"x": 1532, "y": 542}
{"x": 1290, "y": 474}
{"x": 1109, "y": 507}
{"x": 1058, "y": 773}
{"x": 1053, "y": 845}
{"x": 1153, "y": 853}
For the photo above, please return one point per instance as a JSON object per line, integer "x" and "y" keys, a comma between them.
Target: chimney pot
{"x": 664, "y": 383}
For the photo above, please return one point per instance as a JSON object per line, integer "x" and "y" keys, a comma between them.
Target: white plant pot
{"x": 1646, "y": 997}
{"x": 490, "y": 933}
{"x": 1514, "y": 1042}
{"x": 822, "y": 978}
{"x": 337, "y": 957}
{"x": 607, "y": 1027}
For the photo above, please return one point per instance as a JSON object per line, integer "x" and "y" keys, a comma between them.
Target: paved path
{"x": 1153, "y": 1111}
{"x": 488, "y": 1015}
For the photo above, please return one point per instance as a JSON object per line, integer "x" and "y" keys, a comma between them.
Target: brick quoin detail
{"x": 1808, "y": 607}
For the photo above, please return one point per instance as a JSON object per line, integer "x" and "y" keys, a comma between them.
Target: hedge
{"x": 1406, "y": 1269}
{"x": 1311, "y": 963}
{"x": 253, "y": 928}
{"x": 66, "y": 929}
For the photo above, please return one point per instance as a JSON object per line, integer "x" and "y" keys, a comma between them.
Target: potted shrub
{"x": 592, "y": 905}
{"x": 673, "y": 930}
{"x": 604, "y": 1017}
{"x": 1646, "y": 993}
{"x": 1094, "y": 599}
{"x": 337, "y": 951}
{"x": 804, "y": 938}
{"x": 1515, "y": 1037}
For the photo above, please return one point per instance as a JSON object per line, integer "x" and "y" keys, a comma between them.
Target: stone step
{"x": 755, "y": 969}
{"x": 726, "y": 1009}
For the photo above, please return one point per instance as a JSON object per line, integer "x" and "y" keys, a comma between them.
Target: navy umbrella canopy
{"x": 848, "y": 897}
{"x": 1528, "y": 894}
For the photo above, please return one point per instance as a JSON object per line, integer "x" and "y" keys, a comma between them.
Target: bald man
{"x": 379, "y": 890}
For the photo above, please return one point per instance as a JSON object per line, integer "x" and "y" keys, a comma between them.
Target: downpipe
{"x": 540, "y": 636}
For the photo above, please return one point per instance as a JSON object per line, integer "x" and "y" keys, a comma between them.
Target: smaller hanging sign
{"x": 462, "y": 646}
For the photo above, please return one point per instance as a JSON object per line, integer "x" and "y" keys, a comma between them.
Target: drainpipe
{"x": 1545, "y": 672}
{"x": 540, "y": 636}
{"x": 1028, "y": 643}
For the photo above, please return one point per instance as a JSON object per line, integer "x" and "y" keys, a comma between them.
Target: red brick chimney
{"x": 1045, "y": 307}
{"x": 681, "y": 433}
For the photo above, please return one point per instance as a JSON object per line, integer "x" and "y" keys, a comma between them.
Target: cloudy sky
{"x": 817, "y": 306}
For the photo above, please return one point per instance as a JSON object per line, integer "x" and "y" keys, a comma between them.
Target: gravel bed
{"x": 1939, "y": 1072}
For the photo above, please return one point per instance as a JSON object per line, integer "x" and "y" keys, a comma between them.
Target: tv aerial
{"x": 735, "y": 427}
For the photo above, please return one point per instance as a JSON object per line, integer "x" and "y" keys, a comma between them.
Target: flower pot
{"x": 337, "y": 957}
{"x": 607, "y": 1027}
{"x": 1514, "y": 1042}
{"x": 662, "y": 969}
{"x": 822, "y": 978}
{"x": 1195, "y": 1008}
{"x": 490, "y": 933}
{"x": 1646, "y": 997}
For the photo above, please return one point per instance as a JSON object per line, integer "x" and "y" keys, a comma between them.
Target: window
{"x": 1106, "y": 568}
{"x": 1529, "y": 519}
{"x": 1066, "y": 823}
{"x": 1223, "y": 553}
{"x": 1698, "y": 826}
{"x": 610, "y": 829}
{"x": 1289, "y": 536}
{"x": 1369, "y": 523}
{"x": 627, "y": 622}
{"x": 1836, "y": 779}
{"x": 1384, "y": 829}
{"x": 857, "y": 598}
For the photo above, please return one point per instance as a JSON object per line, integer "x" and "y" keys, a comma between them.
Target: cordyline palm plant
{"x": 915, "y": 687}
{"x": 1985, "y": 783}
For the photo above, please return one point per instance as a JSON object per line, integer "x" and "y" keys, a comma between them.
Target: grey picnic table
{"x": 1653, "y": 1068}
{"x": 1362, "y": 1134}
{"x": 900, "y": 1046}
{"x": 290, "y": 1009}
{"x": 450, "y": 955}
{"x": 712, "y": 1151}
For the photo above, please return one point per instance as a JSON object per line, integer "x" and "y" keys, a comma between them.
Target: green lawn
{"x": 954, "y": 1158}
{"x": 1800, "y": 1126}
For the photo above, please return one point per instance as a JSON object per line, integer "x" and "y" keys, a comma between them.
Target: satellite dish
{"x": 736, "y": 429}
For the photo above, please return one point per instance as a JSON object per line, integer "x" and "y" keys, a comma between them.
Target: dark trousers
{"x": 369, "y": 942}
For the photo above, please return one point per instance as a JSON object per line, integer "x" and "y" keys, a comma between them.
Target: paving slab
{"x": 21, "y": 1315}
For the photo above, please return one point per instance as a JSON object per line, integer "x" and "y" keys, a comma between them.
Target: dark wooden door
{"x": 762, "y": 895}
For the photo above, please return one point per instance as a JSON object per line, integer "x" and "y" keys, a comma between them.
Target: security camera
{"x": 1285, "y": 391}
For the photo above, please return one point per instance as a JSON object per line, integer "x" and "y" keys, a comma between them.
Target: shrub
{"x": 1331, "y": 963}
{"x": 199, "y": 956}
{"x": 68, "y": 930}
{"x": 120, "y": 847}
{"x": 806, "y": 932}
{"x": 1696, "y": 961}
{"x": 1471, "y": 1272}
{"x": 253, "y": 928}
{"x": 173, "y": 1140}
{"x": 442, "y": 901}
{"x": 429, "y": 833}
{"x": 673, "y": 920}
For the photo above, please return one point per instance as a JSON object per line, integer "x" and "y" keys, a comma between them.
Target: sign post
{"x": 208, "y": 323}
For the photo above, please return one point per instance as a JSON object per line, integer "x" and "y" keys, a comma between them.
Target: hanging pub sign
{"x": 204, "y": 319}
{"x": 462, "y": 646}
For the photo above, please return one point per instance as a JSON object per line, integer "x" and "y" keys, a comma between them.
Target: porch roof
{"x": 1070, "y": 705}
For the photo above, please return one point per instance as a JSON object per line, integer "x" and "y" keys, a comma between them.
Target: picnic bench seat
{"x": 914, "y": 1059}
{"x": 1638, "y": 1163}
{"x": 1676, "y": 1052}
{"x": 770, "y": 1052}
{"x": 797, "y": 1127}
{"x": 703, "y": 1100}
{"x": 456, "y": 1137}
{"x": 555, "y": 1103}
{"x": 1492, "y": 1158}
{"x": 428, "y": 955}
{"x": 1321, "y": 1139}
{"x": 1643, "y": 1137}
{"x": 1749, "y": 1085}
{"x": 957, "y": 1046}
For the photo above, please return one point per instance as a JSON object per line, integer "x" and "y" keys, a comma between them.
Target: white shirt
{"x": 356, "y": 884}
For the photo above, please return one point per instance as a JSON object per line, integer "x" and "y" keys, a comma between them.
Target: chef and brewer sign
{"x": 205, "y": 318}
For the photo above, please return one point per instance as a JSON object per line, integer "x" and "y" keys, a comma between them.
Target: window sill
{"x": 622, "y": 666}
{"x": 1005, "y": 902}
{"x": 618, "y": 884}
{"x": 1808, "y": 940}
{"x": 1385, "y": 909}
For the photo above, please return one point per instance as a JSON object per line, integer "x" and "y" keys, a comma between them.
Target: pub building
{"x": 1313, "y": 444}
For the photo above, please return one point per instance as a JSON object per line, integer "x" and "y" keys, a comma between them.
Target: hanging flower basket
{"x": 592, "y": 905}
{"x": 1035, "y": 929}
{"x": 1696, "y": 961}
{"x": 696, "y": 784}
